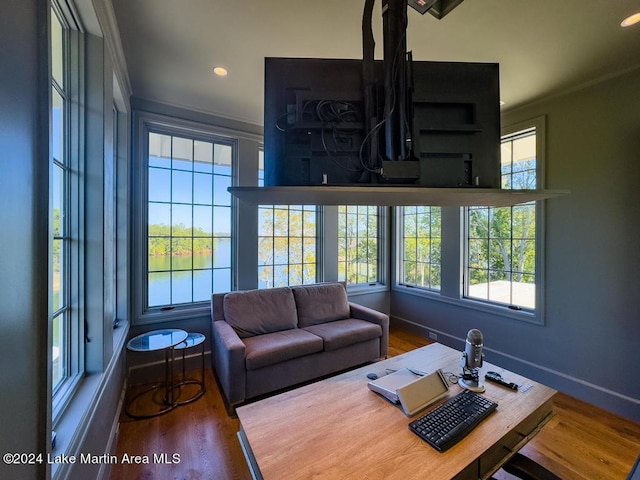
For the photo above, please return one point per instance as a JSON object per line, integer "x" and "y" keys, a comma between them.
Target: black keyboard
{"x": 447, "y": 424}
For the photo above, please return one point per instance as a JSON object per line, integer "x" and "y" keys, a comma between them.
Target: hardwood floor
{"x": 581, "y": 442}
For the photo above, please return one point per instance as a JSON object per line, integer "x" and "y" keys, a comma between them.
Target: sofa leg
{"x": 231, "y": 409}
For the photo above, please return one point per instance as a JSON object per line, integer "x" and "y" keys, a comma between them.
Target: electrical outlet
{"x": 433, "y": 336}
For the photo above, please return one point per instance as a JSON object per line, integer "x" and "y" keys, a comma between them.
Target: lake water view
{"x": 172, "y": 280}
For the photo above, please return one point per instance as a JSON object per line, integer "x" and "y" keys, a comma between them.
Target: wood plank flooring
{"x": 581, "y": 442}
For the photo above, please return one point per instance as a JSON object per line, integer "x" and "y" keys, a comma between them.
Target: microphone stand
{"x": 470, "y": 376}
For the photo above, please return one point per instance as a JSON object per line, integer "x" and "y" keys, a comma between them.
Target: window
{"x": 61, "y": 201}
{"x": 502, "y": 243}
{"x": 188, "y": 218}
{"x": 421, "y": 247}
{"x": 287, "y": 242}
{"x": 66, "y": 243}
{"x": 358, "y": 244}
{"x": 486, "y": 258}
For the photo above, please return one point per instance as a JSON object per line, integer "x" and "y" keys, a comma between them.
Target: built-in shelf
{"x": 388, "y": 196}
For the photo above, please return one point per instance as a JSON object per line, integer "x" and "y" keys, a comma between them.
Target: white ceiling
{"x": 544, "y": 47}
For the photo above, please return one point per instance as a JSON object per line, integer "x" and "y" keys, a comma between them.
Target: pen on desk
{"x": 420, "y": 373}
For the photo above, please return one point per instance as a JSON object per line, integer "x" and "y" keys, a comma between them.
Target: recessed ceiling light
{"x": 220, "y": 71}
{"x": 630, "y": 20}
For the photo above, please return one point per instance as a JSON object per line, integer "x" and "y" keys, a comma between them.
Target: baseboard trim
{"x": 105, "y": 469}
{"x": 603, "y": 397}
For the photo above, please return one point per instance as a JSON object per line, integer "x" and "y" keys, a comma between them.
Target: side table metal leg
{"x": 192, "y": 381}
{"x": 166, "y": 376}
{"x": 184, "y": 374}
{"x": 167, "y": 340}
{"x": 172, "y": 382}
{"x": 202, "y": 367}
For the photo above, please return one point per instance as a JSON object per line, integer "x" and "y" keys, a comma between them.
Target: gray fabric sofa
{"x": 269, "y": 339}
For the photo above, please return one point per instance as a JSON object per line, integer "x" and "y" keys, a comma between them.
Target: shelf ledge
{"x": 389, "y": 195}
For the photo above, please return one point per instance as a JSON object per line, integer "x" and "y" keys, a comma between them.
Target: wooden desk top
{"x": 338, "y": 428}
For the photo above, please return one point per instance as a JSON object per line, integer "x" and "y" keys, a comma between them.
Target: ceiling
{"x": 544, "y": 47}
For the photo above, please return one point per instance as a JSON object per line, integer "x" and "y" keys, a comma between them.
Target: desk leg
{"x": 248, "y": 455}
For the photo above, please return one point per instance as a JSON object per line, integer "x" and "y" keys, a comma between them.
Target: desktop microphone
{"x": 472, "y": 360}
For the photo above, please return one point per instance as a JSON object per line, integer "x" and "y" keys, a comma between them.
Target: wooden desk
{"x": 338, "y": 428}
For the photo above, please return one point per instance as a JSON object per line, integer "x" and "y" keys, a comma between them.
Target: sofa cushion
{"x": 270, "y": 348}
{"x": 343, "y": 333}
{"x": 256, "y": 312}
{"x": 321, "y": 303}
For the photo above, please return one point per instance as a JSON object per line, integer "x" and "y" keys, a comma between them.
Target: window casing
{"x": 287, "y": 242}
{"x": 359, "y": 244}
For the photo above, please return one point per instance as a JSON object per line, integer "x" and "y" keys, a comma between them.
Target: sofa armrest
{"x": 229, "y": 361}
{"x": 370, "y": 315}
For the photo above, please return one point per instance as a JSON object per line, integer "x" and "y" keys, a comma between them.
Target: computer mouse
{"x": 372, "y": 376}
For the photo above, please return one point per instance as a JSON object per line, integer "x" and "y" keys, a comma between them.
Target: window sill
{"x": 158, "y": 315}
{"x": 533, "y": 318}
{"x": 73, "y": 422}
{"x": 72, "y": 425}
{"x": 366, "y": 289}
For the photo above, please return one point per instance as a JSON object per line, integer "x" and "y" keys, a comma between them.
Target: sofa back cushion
{"x": 321, "y": 303}
{"x": 255, "y": 312}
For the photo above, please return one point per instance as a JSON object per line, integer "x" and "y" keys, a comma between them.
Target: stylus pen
{"x": 420, "y": 373}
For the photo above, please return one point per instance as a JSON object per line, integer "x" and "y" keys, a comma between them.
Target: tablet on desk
{"x": 412, "y": 392}
{"x": 421, "y": 393}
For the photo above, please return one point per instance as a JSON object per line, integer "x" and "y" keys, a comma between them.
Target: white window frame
{"x": 73, "y": 133}
{"x": 146, "y": 122}
{"x": 379, "y": 254}
{"x": 262, "y": 209}
{"x": 400, "y": 215}
{"x": 454, "y": 245}
{"x": 535, "y": 315}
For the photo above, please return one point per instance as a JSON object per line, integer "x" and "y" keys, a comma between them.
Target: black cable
{"x": 331, "y": 114}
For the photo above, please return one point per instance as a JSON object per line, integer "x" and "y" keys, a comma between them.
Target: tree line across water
{"x": 181, "y": 240}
